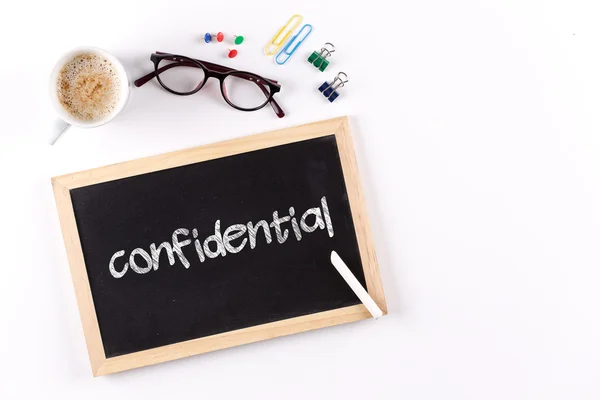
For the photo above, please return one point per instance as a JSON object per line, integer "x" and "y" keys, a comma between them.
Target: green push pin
{"x": 238, "y": 39}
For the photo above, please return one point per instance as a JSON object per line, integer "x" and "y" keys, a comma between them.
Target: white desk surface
{"x": 477, "y": 135}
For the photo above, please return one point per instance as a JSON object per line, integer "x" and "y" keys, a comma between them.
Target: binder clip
{"x": 329, "y": 90}
{"x": 278, "y": 40}
{"x": 319, "y": 60}
{"x": 287, "y": 53}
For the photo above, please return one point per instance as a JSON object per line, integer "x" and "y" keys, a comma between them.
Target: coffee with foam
{"x": 89, "y": 87}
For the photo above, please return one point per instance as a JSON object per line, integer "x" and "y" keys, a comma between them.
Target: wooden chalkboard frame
{"x": 63, "y": 184}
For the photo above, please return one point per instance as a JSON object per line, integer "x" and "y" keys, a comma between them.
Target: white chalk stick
{"x": 355, "y": 285}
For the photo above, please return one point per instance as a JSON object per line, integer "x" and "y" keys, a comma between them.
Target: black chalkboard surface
{"x": 219, "y": 245}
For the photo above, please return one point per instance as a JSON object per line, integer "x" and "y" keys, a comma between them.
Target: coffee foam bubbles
{"x": 89, "y": 87}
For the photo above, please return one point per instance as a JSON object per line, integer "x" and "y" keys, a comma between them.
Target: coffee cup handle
{"x": 58, "y": 129}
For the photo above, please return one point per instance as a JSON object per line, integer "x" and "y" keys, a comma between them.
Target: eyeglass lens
{"x": 181, "y": 77}
{"x": 245, "y": 91}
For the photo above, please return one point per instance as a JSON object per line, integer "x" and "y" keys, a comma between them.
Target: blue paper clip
{"x": 286, "y": 51}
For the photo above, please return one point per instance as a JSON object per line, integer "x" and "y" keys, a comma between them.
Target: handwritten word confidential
{"x": 224, "y": 243}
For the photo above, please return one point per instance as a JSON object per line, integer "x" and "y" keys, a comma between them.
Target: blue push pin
{"x": 329, "y": 90}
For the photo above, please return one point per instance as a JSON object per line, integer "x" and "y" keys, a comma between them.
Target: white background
{"x": 477, "y": 135}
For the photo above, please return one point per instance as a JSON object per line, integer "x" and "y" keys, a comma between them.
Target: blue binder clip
{"x": 329, "y": 90}
{"x": 286, "y": 50}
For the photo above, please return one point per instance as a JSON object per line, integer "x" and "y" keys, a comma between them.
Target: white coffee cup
{"x": 66, "y": 119}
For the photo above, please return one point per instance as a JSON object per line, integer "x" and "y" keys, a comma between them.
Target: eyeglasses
{"x": 184, "y": 76}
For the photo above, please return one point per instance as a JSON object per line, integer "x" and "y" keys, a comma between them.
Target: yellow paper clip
{"x": 283, "y": 34}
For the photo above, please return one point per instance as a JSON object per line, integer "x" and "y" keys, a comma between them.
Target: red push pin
{"x": 208, "y": 37}
{"x": 231, "y": 53}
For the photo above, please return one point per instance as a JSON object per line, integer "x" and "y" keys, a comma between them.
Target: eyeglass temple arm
{"x": 214, "y": 67}
{"x": 146, "y": 78}
{"x": 278, "y": 111}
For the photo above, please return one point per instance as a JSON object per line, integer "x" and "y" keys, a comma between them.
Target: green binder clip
{"x": 319, "y": 60}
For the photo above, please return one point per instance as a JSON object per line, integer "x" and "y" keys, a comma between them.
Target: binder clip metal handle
{"x": 287, "y": 52}
{"x": 329, "y": 90}
{"x": 319, "y": 60}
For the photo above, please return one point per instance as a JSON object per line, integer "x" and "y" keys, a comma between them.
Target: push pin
{"x": 238, "y": 39}
{"x": 319, "y": 60}
{"x": 231, "y": 53}
{"x": 329, "y": 90}
{"x": 208, "y": 37}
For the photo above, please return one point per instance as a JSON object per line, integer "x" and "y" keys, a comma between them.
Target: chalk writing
{"x": 231, "y": 241}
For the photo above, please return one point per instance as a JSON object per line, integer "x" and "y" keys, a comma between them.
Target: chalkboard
{"x": 215, "y": 241}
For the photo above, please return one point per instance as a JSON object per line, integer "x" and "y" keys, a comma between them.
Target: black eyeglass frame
{"x": 212, "y": 70}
